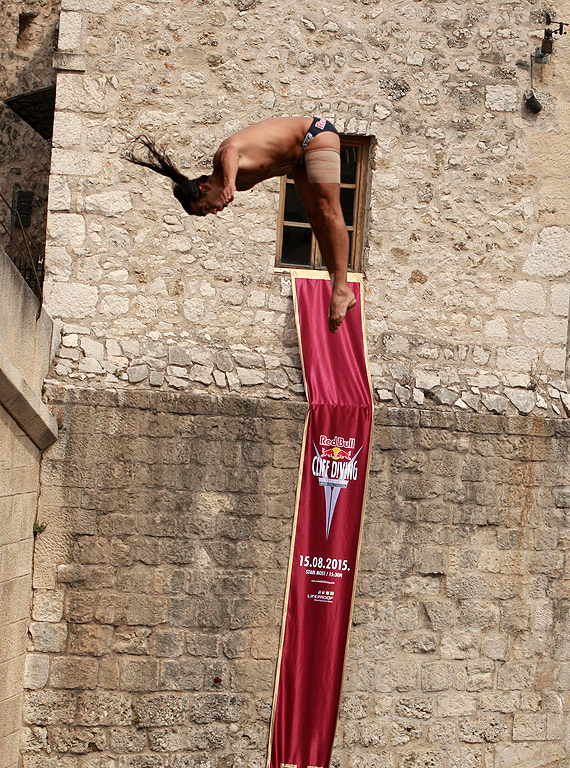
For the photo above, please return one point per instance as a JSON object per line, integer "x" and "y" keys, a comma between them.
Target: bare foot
{"x": 342, "y": 300}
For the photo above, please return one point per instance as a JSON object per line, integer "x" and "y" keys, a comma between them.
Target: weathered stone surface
{"x": 445, "y": 397}
{"x": 523, "y": 400}
{"x": 70, "y": 162}
{"x": 70, "y": 23}
{"x": 173, "y": 601}
{"x": 427, "y": 381}
{"x": 495, "y": 403}
{"x": 66, "y": 229}
{"x": 71, "y": 299}
{"x": 466, "y": 267}
{"x": 113, "y": 203}
{"x": 218, "y": 279}
{"x": 59, "y": 194}
{"x": 524, "y": 296}
{"x": 502, "y": 98}
{"x": 550, "y": 254}
{"x": 137, "y": 373}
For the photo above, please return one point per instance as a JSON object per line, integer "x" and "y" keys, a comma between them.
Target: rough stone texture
{"x": 19, "y": 486}
{"x": 27, "y": 42}
{"x": 25, "y": 423}
{"x": 466, "y": 254}
{"x": 159, "y": 586}
{"x": 158, "y": 583}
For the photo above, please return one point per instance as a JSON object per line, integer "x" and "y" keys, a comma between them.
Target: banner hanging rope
{"x": 327, "y": 526}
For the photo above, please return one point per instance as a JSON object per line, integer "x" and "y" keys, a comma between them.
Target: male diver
{"x": 309, "y": 149}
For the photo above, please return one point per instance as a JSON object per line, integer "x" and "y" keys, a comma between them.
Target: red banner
{"x": 326, "y": 528}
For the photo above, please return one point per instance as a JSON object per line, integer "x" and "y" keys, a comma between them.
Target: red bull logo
{"x": 337, "y": 441}
{"x": 336, "y": 453}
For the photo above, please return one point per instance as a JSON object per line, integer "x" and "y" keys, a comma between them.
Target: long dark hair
{"x": 185, "y": 190}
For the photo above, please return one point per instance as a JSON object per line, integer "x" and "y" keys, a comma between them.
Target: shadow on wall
{"x": 30, "y": 39}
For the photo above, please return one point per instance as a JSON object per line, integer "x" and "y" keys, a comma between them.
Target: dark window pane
{"x": 296, "y": 247}
{"x": 348, "y": 164}
{"x": 294, "y": 209}
{"x": 347, "y": 205}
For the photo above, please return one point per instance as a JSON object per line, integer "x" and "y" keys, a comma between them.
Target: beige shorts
{"x": 323, "y": 166}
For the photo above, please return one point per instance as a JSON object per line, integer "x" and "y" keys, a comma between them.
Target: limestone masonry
{"x": 467, "y": 251}
{"x": 159, "y": 585}
{"x": 164, "y": 509}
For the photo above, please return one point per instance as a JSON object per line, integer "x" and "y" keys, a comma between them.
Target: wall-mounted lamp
{"x": 547, "y": 44}
{"x": 540, "y": 56}
{"x": 532, "y": 103}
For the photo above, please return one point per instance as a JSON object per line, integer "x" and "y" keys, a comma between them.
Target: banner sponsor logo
{"x": 334, "y": 467}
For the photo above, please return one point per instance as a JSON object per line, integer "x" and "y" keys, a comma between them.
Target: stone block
{"x": 550, "y": 254}
{"x": 397, "y": 676}
{"x": 90, "y": 639}
{"x": 484, "y": 729}
{"x": 415, "y": 707}
{"x": 146, "y": 609}
{"x": 523, "y": 296}
{"x": 79, "y": 741}
{"x": 163, "y": 709}
{"x": 48, "y": 637}
{"x": 111, "y": 708}
{"x": 70, "y": 24}
{"x": 436, "y": 676}
{"x": 49, "y": 707}
{"x": 34, "y": 739}
{"x": 249, "y": 377}
{"x": 71, "y": 299}
{"x": 59, "y": 195}
{"x": 36, "y": 670}
{"x": 517, "y": 675}
{"x": 523, "y": 400}
{"x": 47, "y": 606}
{"x": 136, "y": 373}
{"x": 9, "y": 750}
{"x": 529, "y": 726}
{"x": 181, "y": 675}
{"x": 502, "y": 98}
{"x": 74, "y": 672}
{"x": 113, "y": 203}
{"x": 211, "y": 707}
{"x": 69, "y": 162}
{"x": 560, "y": 300}
{"x": 167, "y": 642}
{"x": 139, "y": 674}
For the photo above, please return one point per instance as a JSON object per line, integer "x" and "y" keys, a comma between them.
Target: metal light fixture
{"x": 547, "y": 44}
{"x": 540, "y": 56}
{"x": 532, "y": 103}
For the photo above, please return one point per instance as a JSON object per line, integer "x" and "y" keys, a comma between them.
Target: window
{"x": 296, "y": 244}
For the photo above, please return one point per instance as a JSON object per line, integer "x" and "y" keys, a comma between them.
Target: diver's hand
{"x": 227, "y": 194}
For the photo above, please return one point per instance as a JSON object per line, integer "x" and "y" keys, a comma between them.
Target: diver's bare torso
{"x": 267, "y": 149}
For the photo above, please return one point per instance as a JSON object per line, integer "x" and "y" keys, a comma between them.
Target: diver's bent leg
{"x": 322, "y": 203}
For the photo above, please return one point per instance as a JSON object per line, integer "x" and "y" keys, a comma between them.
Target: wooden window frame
{"x": 357, "y": 229}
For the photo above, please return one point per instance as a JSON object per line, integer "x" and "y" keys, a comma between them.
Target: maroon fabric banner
{"x": 326, "y": 529}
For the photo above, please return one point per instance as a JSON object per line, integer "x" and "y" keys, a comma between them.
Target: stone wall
{"x": 159, "y": 586}
{"x": 26, "y": 428}
{"x": 467, "y": 243}
{"x": 19, "y": 486}
{"x": 27, "y": 44}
